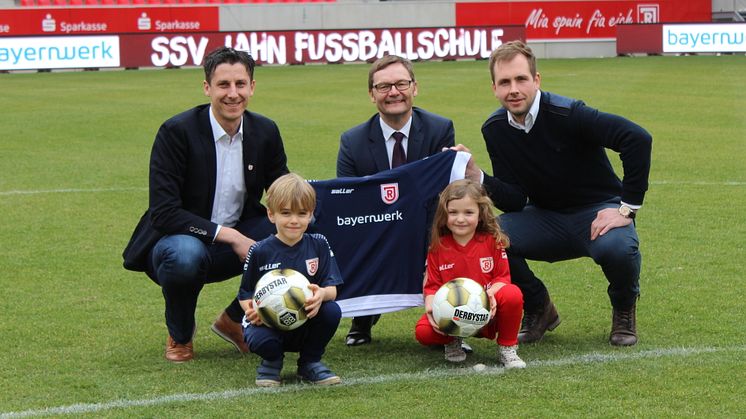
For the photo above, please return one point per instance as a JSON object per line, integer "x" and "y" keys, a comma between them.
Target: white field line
{"x": 697, "y": 183}
{"x": 90, "y": 190}
{"x": 591, "y": 358}
{"x": 70, "y": 190}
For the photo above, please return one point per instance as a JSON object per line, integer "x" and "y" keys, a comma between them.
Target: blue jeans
{"x": 309, "y": 340}
{"x": 182, "y": 265}
{"x": 551, "y": 236}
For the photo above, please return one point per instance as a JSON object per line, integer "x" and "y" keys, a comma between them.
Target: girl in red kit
{"x": 467, "y": 242}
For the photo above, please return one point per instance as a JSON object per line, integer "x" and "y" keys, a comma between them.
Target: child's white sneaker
{"x": 507, "y": 356}
{"x": 454, "y": 351}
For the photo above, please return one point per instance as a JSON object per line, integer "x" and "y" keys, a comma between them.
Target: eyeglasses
{"x": 401, "y": 85}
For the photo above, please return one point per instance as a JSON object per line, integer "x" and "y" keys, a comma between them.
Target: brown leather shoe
{"x": 535, "y": 324}
{"x": 178, "y": 352}
{"x": 624, "y": 327}
{"x": 230, "y": 331}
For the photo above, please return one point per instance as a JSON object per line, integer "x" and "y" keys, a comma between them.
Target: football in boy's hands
{"x": 279, "y": 298}
{"x": 461, "y": 307}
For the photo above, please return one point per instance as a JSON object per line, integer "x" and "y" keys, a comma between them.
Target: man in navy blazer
{"x": 209, "y": 167}
{"x": 397, "y": 134}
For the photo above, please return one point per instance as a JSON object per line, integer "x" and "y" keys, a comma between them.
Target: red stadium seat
{"x": 90, "y": 2}
{"x": 28, "y": 3}
{"x": 44, "y": 3}
{"x": 153, "y": 1}
{"x": 123, "y": 2}
{"x": 108, "y": 2}
{"x": 59, "y": 2}
{"x": 185, "y": 1}
{"x": 76, "y": 2}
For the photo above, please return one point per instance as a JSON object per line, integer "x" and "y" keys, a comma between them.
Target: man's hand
{"x": 606, "y": 219}
{"x": 473, "y": 171}
{"x": 238, "y": 242}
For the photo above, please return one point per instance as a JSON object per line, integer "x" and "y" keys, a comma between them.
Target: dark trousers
{"x": 309, "y": 340}
{"x": 183, "y": 264}
{"x": 551, "y": 236}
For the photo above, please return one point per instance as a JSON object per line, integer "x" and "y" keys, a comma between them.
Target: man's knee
{"x": 616, "y": 248}
{"x": 180, "y": 259}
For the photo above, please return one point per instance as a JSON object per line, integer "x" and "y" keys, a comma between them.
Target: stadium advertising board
{"x": 301, "y": 47}
{"x": 704, "y": 38}
{"x": 104, "y": 20}
{"x": 561, "y": 20}
{"x": 281, "y": 47}
{"x": 683, "y": 38}
{"x": 57, "y": 52}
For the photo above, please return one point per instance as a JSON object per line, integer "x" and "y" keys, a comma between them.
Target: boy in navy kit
{"x": 290, "y": 205}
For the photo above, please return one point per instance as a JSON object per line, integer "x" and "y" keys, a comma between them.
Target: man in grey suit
{"x": 397, "y": 134}
{"x": 209, "y": 167}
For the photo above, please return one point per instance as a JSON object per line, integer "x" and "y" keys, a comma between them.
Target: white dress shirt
{"x": 230, "y": 187}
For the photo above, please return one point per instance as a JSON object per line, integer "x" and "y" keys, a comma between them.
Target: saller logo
{"x": 389, "y": 193}
{"x": 476, "y": 318}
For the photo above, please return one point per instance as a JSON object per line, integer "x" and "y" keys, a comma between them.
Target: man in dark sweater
{"x": 558, "y": 191}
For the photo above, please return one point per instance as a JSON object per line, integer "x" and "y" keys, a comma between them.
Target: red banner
{"x": 301, "y": 47}
{"x": 553, "y": 20}
{"x": 282, "y": 47}
{"x": 101, "y": 20}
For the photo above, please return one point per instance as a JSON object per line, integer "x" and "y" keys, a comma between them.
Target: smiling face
{"x": 394, "y": 106}
{"x": 463, "y": 218}
{"x": 290, "y": 224}
{"x": 229, "y": 91}
{"x": 514, "y": 86}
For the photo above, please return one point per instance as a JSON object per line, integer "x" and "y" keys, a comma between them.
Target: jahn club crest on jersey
{"x": 312, "y": 265}
{"x": 389, "y": 192}
{"x": 486, "y": 264}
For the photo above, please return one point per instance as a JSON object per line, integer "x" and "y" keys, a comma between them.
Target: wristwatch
{"x": 627, "y": 212}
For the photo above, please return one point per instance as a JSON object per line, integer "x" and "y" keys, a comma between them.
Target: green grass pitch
{"x": 81, "y": 336}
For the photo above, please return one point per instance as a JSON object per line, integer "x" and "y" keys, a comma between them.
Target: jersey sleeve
{"x": 434, "y": 279}
{"x": 329, "y": 273}
{"x": 433, "y": 173}
{"x": 250, "y": 275}
{"x": 502, "y": 268}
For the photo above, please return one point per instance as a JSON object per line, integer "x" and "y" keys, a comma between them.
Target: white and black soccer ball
{"x": 461, "y": 307}
{"x": 279, "y": 298}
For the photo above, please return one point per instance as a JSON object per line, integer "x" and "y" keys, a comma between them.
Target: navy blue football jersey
{"x": 311, "y": 256}
{"x": 378, "y": 227}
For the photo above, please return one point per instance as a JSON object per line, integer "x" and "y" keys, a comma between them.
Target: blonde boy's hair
{"x": 291, "y": 191}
